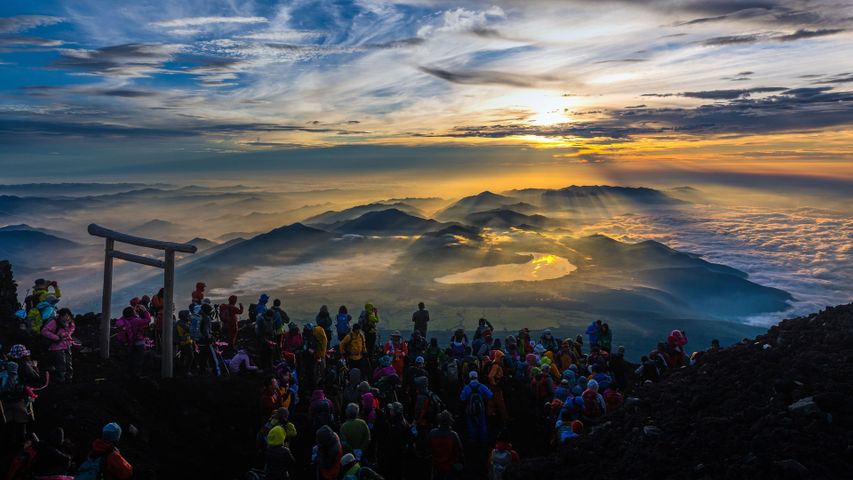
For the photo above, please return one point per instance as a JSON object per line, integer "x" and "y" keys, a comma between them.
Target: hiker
{"x": 270, "y": 397}
{"x": 241, "y": 363}
{"x": 204, "y": 340}
{"x": 280, "y": 320}
{"x": 105, "y": 460}
{"x": 16, "y": 408}
{"x": 605, "y": 340}
{"x": 502, "y": 456}
{"x": 548, "y": 341}
{"x": 418, "y": 345}
{"x": 369, "y": 319}
{"x": 324, "y": 319}
{"x": 186, "y": 346}
{"x": 397, "y": 349}
{"x": 354, "y": 348}
{"x": 482, "y": 326}
{"x": 261, "y": 306}
{"x": 676, "y": 342}
{"x": 355, "y": 434}
{"x": 475, "y": 395}
{"x": 229, "y": 314}
{"x": 421, "y": 318}
{"x": 59, "y": 332}
{"x": 265, "y": 336}
{"x": 327, "y": 454}
{"x": 277, "y": 456}
{"x": 52, "y": 461}
{"x": 293, "y": 341}
{"x": 593, "y": 331}
{"x": 648, "y": 370}
{"x": 495, "y": 379}
{"x": 446, "y": 450}
{"x": 280, "y": 418}
{"x": 131, "y": 334}
{"x": 566, "y": 429}
{"x": 594, "y": 406}
{"x": 41, "y": 313}
{"x": 321, "y": 410}
{"x": 28, "y": 371}
{"x": 342, "y": 323}
{"x": 198, "y": 293}
{"x": 321, "y": 347}
{"x": 459, "y": 343}
{"x": 353, "y": 470}
{"x": 397, "y": 433}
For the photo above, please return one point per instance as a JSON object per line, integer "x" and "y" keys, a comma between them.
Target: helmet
{"x": 18, "y": 352}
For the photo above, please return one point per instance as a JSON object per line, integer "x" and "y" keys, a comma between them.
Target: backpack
{"x": 436, "y": 406}
{"x": 476, "y": 406}
{"x": 93, "y": 467}
{"x": 195, "y": 327}
{"x": 501, "y": 459}
{"x": 451, "y": 372}
{"x": 564, "y": 432}
{"x": 342, "y": 323}
{"x": 591, "y": 408}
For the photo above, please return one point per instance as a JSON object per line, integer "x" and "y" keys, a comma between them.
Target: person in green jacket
{"x": 605, "y": 341}
{"x": 355, "y": 434}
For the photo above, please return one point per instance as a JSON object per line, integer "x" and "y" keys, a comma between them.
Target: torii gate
{"x": 168, "y": 266}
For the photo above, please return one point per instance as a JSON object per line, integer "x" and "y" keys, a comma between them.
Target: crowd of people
{"x": 377, "y": 408}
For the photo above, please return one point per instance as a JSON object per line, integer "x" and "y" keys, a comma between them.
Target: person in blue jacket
{"x": 474, "y": 396}
{"x": 593, "y": 331}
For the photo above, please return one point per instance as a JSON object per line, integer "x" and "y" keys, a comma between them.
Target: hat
{"x": 419, "y": 360}
{"x": 282, "y": 413}
{"x": 384, "y": 361}
{"x": 111, "y": 432}
{"x": 18, "y": 352}
{"x": 395, "y": 333}
{"x": 472, "y": 375}
{"x": 564, "y": 381}
{"x": 276, "y": 436}
{"x": 40, "y": 282}
{"x": 347, "y": 459}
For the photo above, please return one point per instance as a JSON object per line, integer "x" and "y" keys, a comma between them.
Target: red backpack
{"x": 591, "y": 408}
{"x": 613, "y": 399}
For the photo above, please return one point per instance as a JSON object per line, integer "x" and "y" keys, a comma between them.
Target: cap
{"x": 472, "y": 375}
{"x": 111, "y": 432}
{"x": 347, "y": 459}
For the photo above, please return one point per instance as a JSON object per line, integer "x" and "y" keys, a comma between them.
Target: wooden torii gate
{"x": 168, "y": 266}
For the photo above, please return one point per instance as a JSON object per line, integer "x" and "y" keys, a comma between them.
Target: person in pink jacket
{"x": 60, "y": 331}
{"x": 131, "y": 334}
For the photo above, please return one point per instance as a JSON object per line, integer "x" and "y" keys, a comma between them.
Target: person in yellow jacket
{"x": 548, "y": 367}
{"x": 321, "y": 343}
{"x": 354, "y": 348}
{"x": 369, "y": 319}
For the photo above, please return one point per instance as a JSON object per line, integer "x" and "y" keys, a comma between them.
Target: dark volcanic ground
{"x": 784, "y": 410}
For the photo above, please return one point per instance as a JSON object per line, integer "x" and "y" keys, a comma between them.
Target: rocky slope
{"x": 779, "y": 406}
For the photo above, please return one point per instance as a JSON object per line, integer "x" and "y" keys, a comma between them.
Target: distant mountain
{"x": 32, "y": 249}
{"x": 386, "y": 222}
{"x": 158, "y": 229}
{"x": 506, "y": 218}
{"x": 335, "y": 216}
{"x": 594, "y": 198}
{"x": 476, "y": 203}
{"x": 202, "y": 243}
{"x": 605, "y": 252}
{"x": 23, "y": 227}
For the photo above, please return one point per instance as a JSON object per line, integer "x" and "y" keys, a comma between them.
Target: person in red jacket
{"x": 198, "y": 293}
{"x": 230, "y": 315}
{"x": 446, "y": 449}
{"x": 115, "y": 466}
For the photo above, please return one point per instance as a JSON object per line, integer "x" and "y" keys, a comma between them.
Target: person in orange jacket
{"x": 494, "y": 380}
{"x": 114, "y": 465}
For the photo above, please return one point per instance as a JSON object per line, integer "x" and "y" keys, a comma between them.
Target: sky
{"x": 516, "y": 92}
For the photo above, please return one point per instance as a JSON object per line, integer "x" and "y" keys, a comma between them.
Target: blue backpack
{"x": 93, "y": 467}
{"x": 195, "y": 327}
{"x": 342, "y": 323}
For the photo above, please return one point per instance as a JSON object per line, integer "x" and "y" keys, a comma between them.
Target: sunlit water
{"x": 543, "y": 266}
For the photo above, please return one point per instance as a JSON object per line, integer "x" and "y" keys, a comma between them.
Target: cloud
{"x": 488, "y": 77}
{"x": 35, "y": 41}
{"x": 23, "y": 23}
{"x": 800, "y": 109}
{"x": 128, "y": 60}
{"x": 203, "y": 21}
{"x": 770, "y": 36}
{"x": 728, "y": 94}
